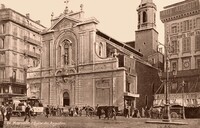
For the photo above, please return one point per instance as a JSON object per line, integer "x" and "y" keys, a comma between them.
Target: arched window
{"x": 144, "y": 17}
{"x": 100, "y": 48}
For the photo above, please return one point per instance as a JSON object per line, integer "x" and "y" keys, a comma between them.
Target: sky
{"x": 118, "y": 18}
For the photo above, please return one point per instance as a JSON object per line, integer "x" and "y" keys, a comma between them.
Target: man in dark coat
{"x": 99, "y": 111}
{"x": 47, "y": 111}
{"x": 28, "y": 112}
{"x": 9, "y": 112}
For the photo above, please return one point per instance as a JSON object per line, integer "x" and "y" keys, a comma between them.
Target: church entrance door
{"x": 66, "y": 100}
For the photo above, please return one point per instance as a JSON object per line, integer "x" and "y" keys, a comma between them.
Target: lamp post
{"x": 183, "y": 85}
{"x": 166, "y": 115}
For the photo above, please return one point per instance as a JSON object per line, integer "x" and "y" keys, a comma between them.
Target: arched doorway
{"x": 66, "y": 101}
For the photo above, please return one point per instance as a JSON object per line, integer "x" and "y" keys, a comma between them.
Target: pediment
{"x": 64, "y": 22}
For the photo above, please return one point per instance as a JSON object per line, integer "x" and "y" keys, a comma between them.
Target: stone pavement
{"x": 93, "y": 122}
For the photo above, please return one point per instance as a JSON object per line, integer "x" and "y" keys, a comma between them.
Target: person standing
{"x": 128, "y": 111}
{"x": 143, "y": 112}
{"x": 99, "y": 112}
{"x": 8, "y": 112}
{"x": 3, "y": 110}
{"x": 28, "y": 112}
{"x": 47, "y": 111}
{"x": 106, "y": 112}
{"x": 114, "y": 113}
{"x": 77, "y": 110}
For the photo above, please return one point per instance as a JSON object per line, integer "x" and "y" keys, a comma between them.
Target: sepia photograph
{"x": 100, "y": 64}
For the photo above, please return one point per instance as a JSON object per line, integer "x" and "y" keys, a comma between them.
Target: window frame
{"x": 186, "y": 45}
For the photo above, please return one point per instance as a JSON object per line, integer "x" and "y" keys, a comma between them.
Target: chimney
{"x": 28, "y": 15}
{"x": 38, "y": 21}
{"x": 2, "y": 6}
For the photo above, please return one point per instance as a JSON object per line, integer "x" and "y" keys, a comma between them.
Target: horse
{"x": 156, "y": 112}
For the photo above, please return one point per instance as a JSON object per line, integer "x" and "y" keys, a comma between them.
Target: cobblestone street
{"x": 93, "y": 122}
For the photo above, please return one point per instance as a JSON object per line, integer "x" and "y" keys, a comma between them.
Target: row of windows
{"x": 21, "y": 75}
{"x": 20, "y": 32}
{"x": 18, "y": 90}
{"x": 186, "y": 45}
{"x": 20, "y": 44}
{"x": 17, "y": 31}
{"x": 186, "y": 25}
{"x": 22, "y": 60}
{"x": 186, "y": 64}
{"x": 177, "y": 87}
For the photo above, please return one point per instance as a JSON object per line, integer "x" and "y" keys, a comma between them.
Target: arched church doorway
{"x": 66, "y": 100}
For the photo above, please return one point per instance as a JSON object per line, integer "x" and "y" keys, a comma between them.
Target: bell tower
{"x": 146, "y": 34}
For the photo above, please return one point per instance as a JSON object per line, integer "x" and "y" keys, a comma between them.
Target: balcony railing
{"x": 7, "y": 80}
{"x": 30, "y": 40}
{"x": 3, "y": 80}
{"x": 32, "y": 54}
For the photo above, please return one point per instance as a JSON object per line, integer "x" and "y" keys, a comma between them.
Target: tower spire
{"x": 146, "y": 28}
{"x": 146, "y": 15}
{"x": 146, "y": 1}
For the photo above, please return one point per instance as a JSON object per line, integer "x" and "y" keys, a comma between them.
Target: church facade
{"x": 83, "y": 66}
{"x": 72, "y": 63}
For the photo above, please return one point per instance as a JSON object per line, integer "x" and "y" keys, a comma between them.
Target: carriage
{"x": 106, "y": 111}
{"x": 157, "y": 112}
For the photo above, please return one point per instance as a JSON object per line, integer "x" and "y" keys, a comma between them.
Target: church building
{"x": 83, "y": 66}
{"x": 73, "y": 63}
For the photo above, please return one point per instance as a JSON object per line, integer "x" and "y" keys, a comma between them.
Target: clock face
{"x": 186, "y": 64}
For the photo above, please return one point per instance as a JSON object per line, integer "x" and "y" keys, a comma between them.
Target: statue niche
{"x": 64, "y": 53}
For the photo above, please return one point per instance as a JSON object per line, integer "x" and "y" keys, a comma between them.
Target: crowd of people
{"x": 103, "y": 112}
{"x": 146, "y": 112}
{"x": 7, "y": 109}
{"x": 68, "y": 111}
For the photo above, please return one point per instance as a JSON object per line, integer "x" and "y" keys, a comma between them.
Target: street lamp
{"x": 183, "y": 85}
{"x": 166, "y": 115}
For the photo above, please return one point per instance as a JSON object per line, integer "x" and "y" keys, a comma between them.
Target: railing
{"x": 3, "y": 80}
{"x": 33, "y": 54}
{"x": 7, "y": 80}
{"x": 30, "y": 40}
